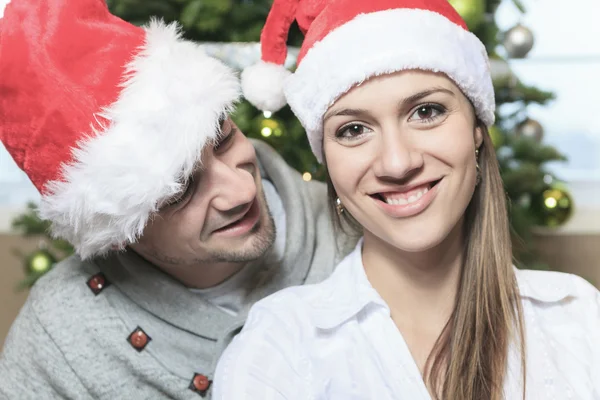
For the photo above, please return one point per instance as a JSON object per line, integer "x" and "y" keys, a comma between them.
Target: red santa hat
{"x": 348, "y": 41}
{"x": 107, "y": 119}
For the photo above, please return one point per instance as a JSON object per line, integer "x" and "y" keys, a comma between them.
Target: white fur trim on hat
{"x": 3, "y": 4}
{"x": 384, "y": 42}
{"x": 262, "y": 85}
{"x": 169, "y": 108}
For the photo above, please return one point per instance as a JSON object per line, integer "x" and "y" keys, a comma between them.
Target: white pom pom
{"x": 262, "y": 85}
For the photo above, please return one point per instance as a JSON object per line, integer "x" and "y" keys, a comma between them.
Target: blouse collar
{"x": 348, "y": 291}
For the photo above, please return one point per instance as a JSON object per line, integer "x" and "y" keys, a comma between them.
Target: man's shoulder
{"x": 63, "y": 288}
{"x": 311, "y": 194}
{"x": 73, "y": 339}
{"x": 271, "y": 161}
{"x": 47, "y": 334}
{"x": 63, "y": 302}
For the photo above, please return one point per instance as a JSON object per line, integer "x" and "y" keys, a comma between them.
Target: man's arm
{"x": 33, "y": 367}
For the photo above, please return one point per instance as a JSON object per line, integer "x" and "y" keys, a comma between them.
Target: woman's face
{"x": 400, "y": 150}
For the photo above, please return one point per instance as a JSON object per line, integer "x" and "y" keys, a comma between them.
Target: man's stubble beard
{"x": 263, "y": 238}
{"x": 263, "y": 233}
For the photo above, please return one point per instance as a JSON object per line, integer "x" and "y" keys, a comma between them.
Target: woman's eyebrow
{"x": 410, "y": 100}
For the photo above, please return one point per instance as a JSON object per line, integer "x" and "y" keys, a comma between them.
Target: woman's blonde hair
{"x": 469, "y": 358}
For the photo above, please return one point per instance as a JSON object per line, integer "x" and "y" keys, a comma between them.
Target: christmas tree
{"x": 50, "y": 250}
{"x": 536, "y": 197}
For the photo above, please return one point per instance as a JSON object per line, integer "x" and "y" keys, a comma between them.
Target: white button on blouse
{"x": 336, "y": 341}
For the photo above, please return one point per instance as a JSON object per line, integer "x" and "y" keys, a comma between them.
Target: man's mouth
{"x": 243, "y": 223}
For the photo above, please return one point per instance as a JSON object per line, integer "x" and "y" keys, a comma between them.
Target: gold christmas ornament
{"x": 472, "y": 11}
{"x": 554, "y": 206}
{"x": 40, "y": 262}
{"x": 532, "y": 129}
{"x": 518, "y": 41}
{"x": 269, "y": 127}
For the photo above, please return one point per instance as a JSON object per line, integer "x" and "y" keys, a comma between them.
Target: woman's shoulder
{"x": 268, "y": 358}
{"x": 300, "y": 308}
{"x": 559, "y": 298}
{"x": 292, "y": 308}
{"x": 562, "y": 324}
{"x": 553, "y": 286}
{"x": 287, "y": 309}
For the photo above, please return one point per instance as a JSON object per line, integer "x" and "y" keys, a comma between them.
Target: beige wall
{"x": 576, "y": 253}
{"x": 11, "y": 273}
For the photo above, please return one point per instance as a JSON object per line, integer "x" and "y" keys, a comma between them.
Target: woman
{"x": 396, "y": 98}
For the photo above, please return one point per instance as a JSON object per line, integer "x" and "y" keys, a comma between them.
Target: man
{"x": 125, "y": 133}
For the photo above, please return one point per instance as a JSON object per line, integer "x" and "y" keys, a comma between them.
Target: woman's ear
{"x": 478, "y": 136}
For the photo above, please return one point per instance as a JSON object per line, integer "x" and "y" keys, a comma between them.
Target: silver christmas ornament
{"x": 501, "y": 73}
{"x": 531, "y": 129}
{"x": 518, "y": 41}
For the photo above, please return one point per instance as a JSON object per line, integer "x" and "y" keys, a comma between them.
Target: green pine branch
{"x": 525, "y": 94}
{"x": 29, "y": 223}
{"x": 526, "y": 149}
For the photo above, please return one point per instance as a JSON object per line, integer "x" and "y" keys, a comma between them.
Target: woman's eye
{"x": 351, "y": 131}
{"x": 427, "y": 112}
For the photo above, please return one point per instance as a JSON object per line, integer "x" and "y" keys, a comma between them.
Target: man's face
{"x": 220, "y": 217}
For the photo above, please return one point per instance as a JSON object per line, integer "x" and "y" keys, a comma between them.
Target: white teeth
{"x": 402, "y": 201}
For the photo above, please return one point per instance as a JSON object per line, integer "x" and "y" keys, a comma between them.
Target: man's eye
{"x": 178, "y": 198}
{"x": 222, "y": 120}
{"x": 225, "y": 139}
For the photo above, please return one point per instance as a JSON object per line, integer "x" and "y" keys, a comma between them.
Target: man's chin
{"x": 238, "y": 255}
{"x": 246, "y": 248}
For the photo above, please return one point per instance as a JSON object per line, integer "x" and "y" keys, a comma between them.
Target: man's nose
{"x": 232, "y": 186}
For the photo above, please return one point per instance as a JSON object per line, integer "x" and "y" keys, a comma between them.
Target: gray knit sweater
{"x": 71, "y": 343}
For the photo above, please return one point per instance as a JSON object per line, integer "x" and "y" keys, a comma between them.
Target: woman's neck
{"x": 418, "y": 287}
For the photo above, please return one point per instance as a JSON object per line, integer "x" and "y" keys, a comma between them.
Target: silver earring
{"x": 478, "y": 179}
{"x": 339, "y": 207}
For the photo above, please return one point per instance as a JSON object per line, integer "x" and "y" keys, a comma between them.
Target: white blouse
{"x": 336, "y": 341}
